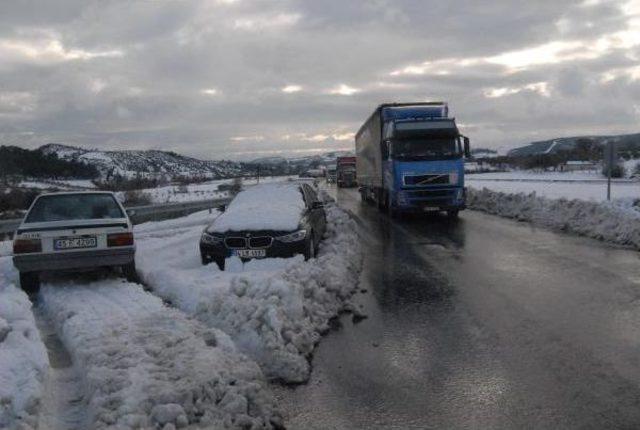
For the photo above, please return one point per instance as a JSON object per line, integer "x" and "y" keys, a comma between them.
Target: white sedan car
{"x": 71, "y": 231}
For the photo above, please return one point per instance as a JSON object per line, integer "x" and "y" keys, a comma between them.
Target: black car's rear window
{"x": 74, "y": 207}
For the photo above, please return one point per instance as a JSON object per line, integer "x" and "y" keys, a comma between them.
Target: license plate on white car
{"x": 75, "y": 242}
{"x": 250, "y": 253}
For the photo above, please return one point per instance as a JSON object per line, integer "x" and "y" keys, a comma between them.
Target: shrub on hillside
{"x": 12, "y": 199}
{"x": 617, "y": 171}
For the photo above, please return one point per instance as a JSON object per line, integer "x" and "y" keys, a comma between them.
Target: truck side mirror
{"x": 467, "y": 149}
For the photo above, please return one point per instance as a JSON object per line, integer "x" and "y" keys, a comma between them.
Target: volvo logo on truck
{"x": 410, "y": 157}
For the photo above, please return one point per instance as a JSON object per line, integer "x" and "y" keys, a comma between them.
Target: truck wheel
{"x": 381, "y": 200}
{"x": 130, "y": 273}
{"x": 30, "y": 282}
{"x": 363, "y": 195}
{"x": 391, "y": 209}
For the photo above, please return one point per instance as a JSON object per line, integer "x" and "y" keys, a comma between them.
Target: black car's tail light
{"x": 120, "y": 239}
{"x": 26, "y": 246}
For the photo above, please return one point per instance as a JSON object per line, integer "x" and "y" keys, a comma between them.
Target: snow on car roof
{"x": 277, "y": 207}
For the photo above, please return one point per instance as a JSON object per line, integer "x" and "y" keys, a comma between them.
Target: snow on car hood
{"x": 276, "y": 207}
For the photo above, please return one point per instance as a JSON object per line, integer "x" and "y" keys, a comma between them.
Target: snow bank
{"x": 6, "y": 248}
{"x": 617, "y": 221}
{"x": 23, "y": 357}
{"x": 274, "y": 206}
{"x": 274, "y": 310}
{"x": 147, "y": 366}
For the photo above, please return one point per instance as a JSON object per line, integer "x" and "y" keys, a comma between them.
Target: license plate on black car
{"x": 251, "y": 253}
{"x": 75, "y": 242}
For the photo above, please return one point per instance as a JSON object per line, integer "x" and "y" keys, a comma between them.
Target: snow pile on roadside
{"x": 6, "y": 248}
{"x": 617, "y": 221}
{"x": 23, "y": 356}
{"x": 147, "y": 366}
{"x": 263, "y": 207}
{"x": 274, "y": 310}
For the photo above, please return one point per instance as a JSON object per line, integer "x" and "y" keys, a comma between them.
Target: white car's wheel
{"x": 30, "y": 281}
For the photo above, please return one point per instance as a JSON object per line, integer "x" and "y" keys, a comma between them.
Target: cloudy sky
{"x": 243, "y": 79}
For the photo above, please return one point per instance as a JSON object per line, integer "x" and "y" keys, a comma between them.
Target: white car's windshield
{"x": 74, "y": 207}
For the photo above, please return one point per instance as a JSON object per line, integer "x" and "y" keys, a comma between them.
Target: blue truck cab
{"x": 410, "y": 157}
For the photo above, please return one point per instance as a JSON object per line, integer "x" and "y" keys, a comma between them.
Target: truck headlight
{"x": 453, "y": 177}
{"x": 293, "y": 237}
{"x": 210, "y": 239}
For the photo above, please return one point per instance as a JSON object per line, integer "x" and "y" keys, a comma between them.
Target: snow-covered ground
{"x": 145, "y": 365}
{"x": 555, "y": 185}
{"x": 23, "y": 357}
{"x": 70, "y": 184}
{"x": 617, "y": 221}
{"x": 274, "y": 310}
{"x": 197, "y": 362}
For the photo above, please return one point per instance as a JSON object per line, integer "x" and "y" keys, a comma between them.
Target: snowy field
{"x": 70, "y": 184}
{"x": 555, "y": 185}
{"x": 194, "y": 352}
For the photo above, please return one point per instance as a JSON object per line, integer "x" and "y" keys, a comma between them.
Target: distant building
{"x": 576, "y": 166}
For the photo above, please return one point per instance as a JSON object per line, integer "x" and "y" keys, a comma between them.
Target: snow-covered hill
{"x": 552, "y": 146}
{"x": 150, "y": 163}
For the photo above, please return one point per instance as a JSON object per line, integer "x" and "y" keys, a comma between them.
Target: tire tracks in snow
{"x": 63, "y": 406}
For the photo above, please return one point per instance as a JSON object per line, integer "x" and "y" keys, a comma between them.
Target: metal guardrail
{"x": 140, "y": 214}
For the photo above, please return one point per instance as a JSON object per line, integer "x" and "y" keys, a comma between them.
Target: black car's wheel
{"x": 219, "y": 262}
{"x": 130, "y": 273}
{"x": 453, "y": 213}
{"x": 310, "y": 251}
{"x": 30, "y": 281}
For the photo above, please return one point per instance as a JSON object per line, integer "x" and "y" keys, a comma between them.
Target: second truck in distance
{"x": 410, "y": 157}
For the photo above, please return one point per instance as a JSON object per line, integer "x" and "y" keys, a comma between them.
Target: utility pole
{"x": 610, "y": 155}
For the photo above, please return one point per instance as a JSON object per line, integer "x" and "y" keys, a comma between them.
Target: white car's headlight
{"x": 211, "y": 239}
{"x": 293, "y": 237}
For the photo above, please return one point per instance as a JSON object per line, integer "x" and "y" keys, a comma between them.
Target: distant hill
{"x": 19, "y": 162}
{"x": 296, "y": 165}
{"x": 149, "y": 163}
{"x": 552, "y": 146}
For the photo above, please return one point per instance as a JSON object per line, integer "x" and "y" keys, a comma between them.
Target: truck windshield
{"x": 67, "y": 207}
{"x": 426, "y": 148}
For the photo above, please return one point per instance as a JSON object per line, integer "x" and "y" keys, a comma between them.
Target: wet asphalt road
{"x": 483, "y": 323}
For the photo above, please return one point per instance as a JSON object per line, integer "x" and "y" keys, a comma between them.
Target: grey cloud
{"x": 152, "y": 94}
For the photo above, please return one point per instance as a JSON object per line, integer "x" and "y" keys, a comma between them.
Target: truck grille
{"x": 235, "y": 242}
{"x": 431, "y": 194}
{"x": 430, "y": 179}
{"x": 260, "y": 242}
